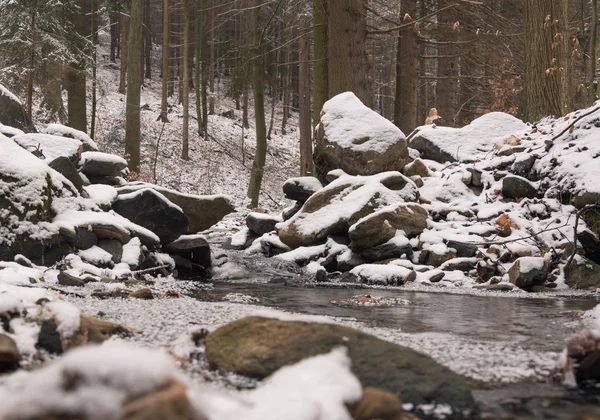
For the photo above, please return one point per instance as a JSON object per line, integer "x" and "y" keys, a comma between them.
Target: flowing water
{"x": 455, "y": 328}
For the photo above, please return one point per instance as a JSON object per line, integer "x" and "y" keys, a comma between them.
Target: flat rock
{"x": 261, "y": 223}
{"x": 144, "y": 293}
{"x": 66, "y": 279}
{"x": 257, "y": 347}
{"x": 98, "y": 164}
{"x": 68, "y": 132}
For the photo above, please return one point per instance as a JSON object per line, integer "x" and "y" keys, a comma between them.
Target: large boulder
{"x": 49, "y": 147}
{"x": 583, "y": 274}
{"x": 335, "y": 208}
{"x": 64, "y": 166}
{"x": 202, "y": 211}
{"x": 98, "y": 164}
{"x": 152, "y": 210}
{"x": 379, "y": 227}
{"x": 467, "y": 144}
{"x": 30, "y": 192}
{"x": 357, "y": 140}
{"x": 12, "y": 112}
{"x": 60, "y": 130}
{"x": 257, "y": 347}
{"x": 261, "y": 223}
{"x": 301, "y": 188}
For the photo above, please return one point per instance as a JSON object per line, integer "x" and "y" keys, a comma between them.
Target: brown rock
{"x": 9, "y": 353}
{"x": 417, "y": 167}
{"x": 169, "y": 402}
{"x": 144, "y": 293}
{"x": 377, "y": 404}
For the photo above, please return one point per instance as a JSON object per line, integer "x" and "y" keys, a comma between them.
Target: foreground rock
{"x": 527, "y": 272}
{"x": 202, "y": 211}
{"x": 357, "y": 140}
{"x": 193, "y": 248}
{"x": 257, "y": 347}
{"x": 583, "y": 274}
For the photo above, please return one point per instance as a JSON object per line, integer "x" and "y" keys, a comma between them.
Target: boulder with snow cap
{"x": 48, "y": 147}
{"x": 152, "y": 210}
{"x": 194, "y": 248}
{"x": 583, "y": 274}
{"x": 380, "y": 226}
{"x": 301, "y": 188}
{"x": 517, "y": 187}
{"x": 60, "y": 130}
{"x": 335, "y": 208}
{"x": 261, "y": 223}
{"x": 98, "y": 164}
{"x": 202, "y": 211}
{"x": 12, "y": 112}
{"x": 64, "y": 166}
{"x": 357, "y": 140}
{"x": 527, "y": 272}
{"x": 467, "y": 144}
{"x": 383, "y": 274}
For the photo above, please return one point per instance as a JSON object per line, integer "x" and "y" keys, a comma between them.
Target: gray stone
{"x": 261, "y": 223}
{"x": 98, "y": 164}
{"x": 49, "y": 338}
{"x": 527, "y": 272}
{"x": 13, "y": 114}
{"x": 583, "y": 274}
{"x": 113, "y": 247}
{"x": 66, "y": 279}
{"x": 386, "y": 251}
{"x": 517, "y": 187}
{"x": 65, "y": 166}
{"x": 301, "y": 188}
{"x": 194, "y": 248}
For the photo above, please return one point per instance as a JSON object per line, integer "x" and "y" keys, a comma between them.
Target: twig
{"x": 574, "y": 122}
{"x": 574, "y": 251}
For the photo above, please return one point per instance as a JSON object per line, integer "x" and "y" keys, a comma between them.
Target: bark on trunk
{"x": 306, "y": 163}
{"x": 134, "y": 82}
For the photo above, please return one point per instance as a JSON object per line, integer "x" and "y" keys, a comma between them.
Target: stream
{"x": 480, "y": 334}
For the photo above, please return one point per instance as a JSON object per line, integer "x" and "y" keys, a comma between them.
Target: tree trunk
{"x": 547, "y": 60}
{"x": 76, "y": 77}
{"x": 94, "y": 66}
{"x": 186, "y": 81}
{"x": 204, "y": 58}
{"x": 285, "y": 81}
{"x": 259, "y": 108}
{"x": 320, "y": 85}
{"x": 134, "y": 82}
{"x": 148, "y": 39}
{"x": 124, "y": 58}
{"x": 346, "y": 59}
{"x": 593, "y": 84}
{"x": 306, "y": 163}
{"x": 31, "y": 66}
{"x": 211, "y": 77}
{"x": 198, "y": 69}
{"x": 448, "y": 85}
{"x": 407, "y": 75}
{"x": 114, "y": 33}
{"x": 165, "y": 64}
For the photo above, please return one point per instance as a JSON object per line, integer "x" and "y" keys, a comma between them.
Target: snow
{"x": 529, "y": 264}
{"x": 141, "y": 191}
{"x": 308, "y": 183}
{"x": 10, "y": 131}
{"x": 132, "y": 252}
{"x": 239, "y": 238}
{"x": 102, "y": 157}
{"x": 5, "y": 92}
{"x": 67, "y": 317}
{"x": 348, "y": 123}
{"x": 381, "y": 273}
{"x": 64, "y": 131}
{"x": 103, "y": 195}
{"x": 476, "y": 140}
{"x": 95, "y": 255}
{"x": 51, "y": 146}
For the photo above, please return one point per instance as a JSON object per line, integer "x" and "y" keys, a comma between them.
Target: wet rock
{"x": 388, "y": 250}
{"x": 23, "y": 260}
{"x": 9, "y": 354}
{"x": 357, "y": 152}
{"x": 590, "y": 244}
{"x": 418, "y": 168}
{"x": 582, "y": 362}
{"x": 66, "y": 279}
{"x": 12, "y": 112}
{"x": 63, "y": 165}
{"x": 153, "y": 211}
{"x": 261, "y": 223}
{"x": 300, "y": 189}
{"x": 377, "y": 404}
{"x": 437, "y": 277}
{"x": 98, "y": 164}
{"x": 113, "y": 247}
{"x": 517, "y": 187}
{"x": 381, "y": 226}
{"x": 527, "y": 272}
{"x": 144, "y": 293}
{"x": 583, "y": 274}
{"x": 194, "y": 248}
{"x": 257, "y": 347}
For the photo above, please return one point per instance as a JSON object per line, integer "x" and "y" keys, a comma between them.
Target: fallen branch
{"x": 574, "y": 122}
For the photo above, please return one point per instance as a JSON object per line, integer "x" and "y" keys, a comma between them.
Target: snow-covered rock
{"x": 467, "y": 144}
{"x": 48, "y": 147}
{"x": 301, "y": 188}
{"x": 527, "y": 272}
{"x": 12, "y": 113}
{"x": 68, "y": 132}
{"x": 357, "y": 140}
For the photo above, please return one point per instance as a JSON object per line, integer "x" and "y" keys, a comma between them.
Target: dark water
{"x": 534, "y": 323}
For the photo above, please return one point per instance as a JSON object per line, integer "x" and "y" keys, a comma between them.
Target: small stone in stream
{"x": 49, "y": 338}
{"x": 142, "y": 294}
{"x": 66, "y": 279}
{"x": 321, "y": 275}
{"x": 517, "y": 187}
{"x": 377, "y": 404}
{"x": 9, "y": 354}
